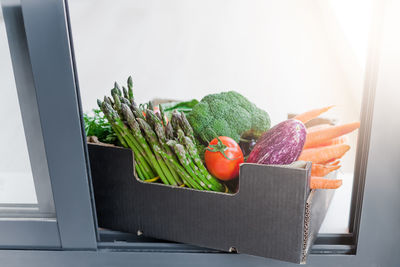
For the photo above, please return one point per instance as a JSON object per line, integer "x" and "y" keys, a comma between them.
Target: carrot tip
{"x": 309, "y": 115}
{"x": 323, "y": 183}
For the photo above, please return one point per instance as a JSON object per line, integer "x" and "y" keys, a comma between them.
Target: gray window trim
{"x": 50, "y": 108}
{"x": 29, "y": 233}
{"x": 28, "y": 103}
{"x": 60, "y": 116}
{"x": 39, "y": 230}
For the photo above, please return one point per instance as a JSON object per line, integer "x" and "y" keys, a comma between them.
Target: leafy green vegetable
{"x": 184, "y": 106}
{"x": 97, "y": 125}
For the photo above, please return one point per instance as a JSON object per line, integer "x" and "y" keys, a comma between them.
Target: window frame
{"x": 71, "y": 224}
{"x": 47, "y": 26}
{"x": 54, "y": 78}
{"x": 27, "y": 226}
{"x": 326, "y": 243}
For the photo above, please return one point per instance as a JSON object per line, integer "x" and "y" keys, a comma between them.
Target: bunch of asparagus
{"x": 162, "y": 148}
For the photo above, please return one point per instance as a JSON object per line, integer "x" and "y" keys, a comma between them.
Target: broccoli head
{"x": 227, "y": 114}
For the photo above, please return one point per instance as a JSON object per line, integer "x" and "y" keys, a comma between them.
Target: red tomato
{"x": 223, "y": 157}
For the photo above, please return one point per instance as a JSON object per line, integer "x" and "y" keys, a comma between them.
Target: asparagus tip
{"x": 130, "y": 82}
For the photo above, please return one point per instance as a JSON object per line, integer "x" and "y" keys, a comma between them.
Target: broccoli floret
{"x": 200, "y": 117}
{"x": 227, "y": 114}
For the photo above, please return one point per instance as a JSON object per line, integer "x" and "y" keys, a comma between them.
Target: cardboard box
{"x": 274, "y": 214}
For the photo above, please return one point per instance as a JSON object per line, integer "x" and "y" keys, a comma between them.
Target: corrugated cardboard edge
{"x": 306, "y": 233}
{"x": 318, "y": 200}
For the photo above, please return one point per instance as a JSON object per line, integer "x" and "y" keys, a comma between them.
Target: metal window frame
{"x": 60, "y": 114}
{"x": 29, "y": 231}
{"x": 50, "y": 108}
{"x": 46, "y": 24}
{"x": 28, "y": 105}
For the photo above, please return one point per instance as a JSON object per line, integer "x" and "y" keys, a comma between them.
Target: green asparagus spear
{"x": 139, "y": 172}
{"x": 133, "y": 104}
{"x": 188, "y": 180}
{"x": 117, "y": 102}
{"x": 152, "y": 139}
{"x": 125, "y": 101}
{"x": 130, "y": 89}
{"x": 99, "y": 103}
{"x": 137, "y": 112}
{"x": 108, "y": 101}
{"x": 151, "y": 118}
{"x": 119, "y": 136}
{"x": 159, "y": 116}
{"x": 180, "y": 135}
{"x": 150, "y": 105}
{"x": 186, "y": 127}
{"x": 203, "y": 174}
{"x": 114, "y": 120}
{"x": 117, "y": 89}
{"x": 198, "y": 175}
{"x": 131, "y": 122}
{"x": 147, "y": 172}
{"x": 181, "y": 154}
{"x": 163, "y": 117}
{"x": 158, "y": 129}
{"x": 161, "y": 138}
{"x": 169, "y": 132}
{"x": 117, "y": 133}
{"x": 175, "y": 121}
{"x": 191, "y": 148}
{"x": 125, "y": 92}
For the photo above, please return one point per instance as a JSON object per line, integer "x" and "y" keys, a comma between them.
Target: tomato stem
{"x": 220, "y": 147}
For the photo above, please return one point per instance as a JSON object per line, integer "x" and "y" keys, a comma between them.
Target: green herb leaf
{"x": 97, "y": 125}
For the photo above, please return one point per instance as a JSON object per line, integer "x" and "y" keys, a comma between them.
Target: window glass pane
{"x": 285, "y": 56}
{"x": 22, "y": 194}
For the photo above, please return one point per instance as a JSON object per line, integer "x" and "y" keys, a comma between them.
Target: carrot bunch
{"x": 325, "y": 145}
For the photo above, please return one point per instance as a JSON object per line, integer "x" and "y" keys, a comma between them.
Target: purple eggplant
{"x": 282, "y": 144}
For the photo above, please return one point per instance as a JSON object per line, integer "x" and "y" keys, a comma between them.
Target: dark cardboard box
{"x": 274, "y": 214}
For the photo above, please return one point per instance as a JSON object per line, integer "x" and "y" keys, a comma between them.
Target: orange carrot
{"x": 335, "y": 141}
{"x": 318, "y": 127}
{"x": 332, "y": 162}
{"x": 323, "y": 154}
{"x": 323, "y": 183}
{"x": 309, "y": 115}
{"x": 322, "y": 136}
{"x": 322, "y": 170}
